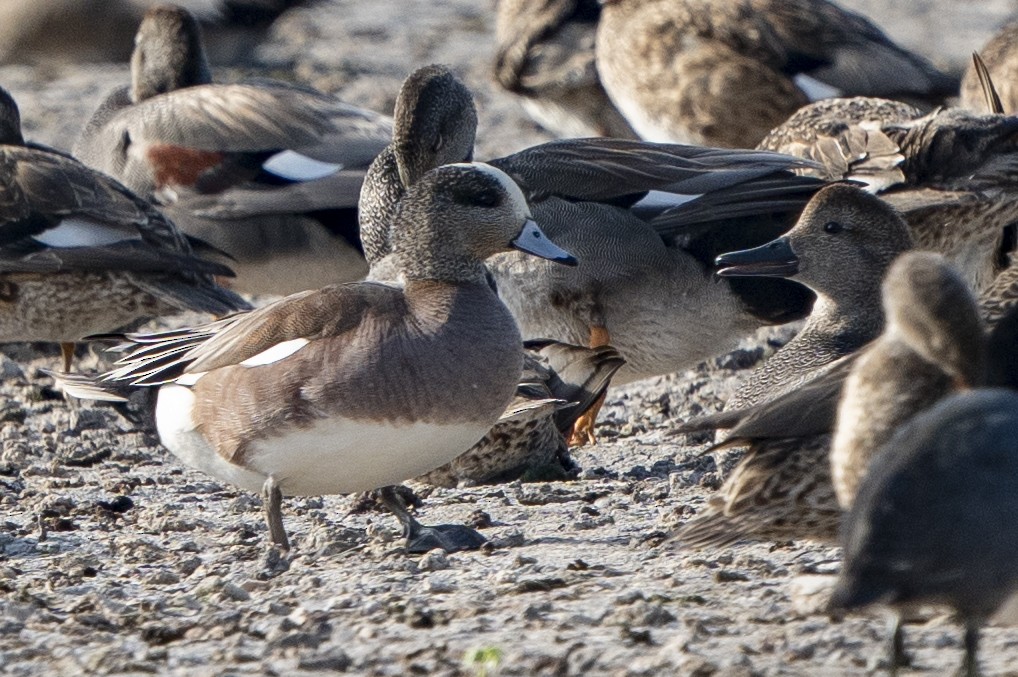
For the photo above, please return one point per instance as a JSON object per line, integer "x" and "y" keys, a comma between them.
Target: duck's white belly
{"x": 333, "y": 456}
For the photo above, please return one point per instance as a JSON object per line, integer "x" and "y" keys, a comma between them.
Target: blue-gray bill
{"x": 532, "y": 240}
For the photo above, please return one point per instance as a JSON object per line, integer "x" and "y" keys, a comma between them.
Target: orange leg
{"x": 67, "y": 352}
{"x": 583, "y": 429}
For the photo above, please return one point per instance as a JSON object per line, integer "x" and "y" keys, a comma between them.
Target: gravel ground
{"x": 114, "y": 559}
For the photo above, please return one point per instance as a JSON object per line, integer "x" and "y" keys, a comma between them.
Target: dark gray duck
{"x": 934, "y": 519}
{"x": 80, "y": 254}
{"x": 546, "y": 57}
{"x": 266, "y": 171}
{"x": 646, "y": 220}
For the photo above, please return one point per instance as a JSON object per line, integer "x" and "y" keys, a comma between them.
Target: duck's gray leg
{"x": 899, "y": 658}
{"x": 272, "y": 496}
{"x": 420, "y": 538}
{"x": 970, "y": 668}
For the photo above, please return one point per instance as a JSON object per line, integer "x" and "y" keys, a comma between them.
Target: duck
{"x": 777, "y": 489}
{"x": 357, "y": 386}
{"x": 267, "y": 171}
{"x": 545, "y": 57}
{"x": 72, "y": 31}
{"x": 529, "y": 442}
{"x": 947, "y": 172}
{"x": 626, "y": 205}
{"x": 80, "y": 254}
{"x": 923, "y": 456}
{"x": 725, "y": 72}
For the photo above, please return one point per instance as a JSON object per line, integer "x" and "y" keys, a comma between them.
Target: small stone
{"x": 235, "y": 592}
{"x": 332, "y": 660}
{"x": 436, "y": 560}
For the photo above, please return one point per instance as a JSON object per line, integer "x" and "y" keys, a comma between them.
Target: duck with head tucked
{"x": 357, "y": 386}
{"x": 649, "y": 219}
{"x": 267, "y": 171}
{"x": 724, "y": 72}
{"x": 80, "y": 254}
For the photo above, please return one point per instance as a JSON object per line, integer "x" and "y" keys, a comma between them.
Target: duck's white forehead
{"x": 515, "y": 194}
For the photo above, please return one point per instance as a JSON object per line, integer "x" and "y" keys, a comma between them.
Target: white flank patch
{"x": 815, "y": 89}
{"x": 73, "y": 232}
{"x": 659, "y": 199}
{"x": 275, "y": 353}
{"x": 293, "y": 166}
{"x": 338, "y": 456}
{"x": 335, "y": 456}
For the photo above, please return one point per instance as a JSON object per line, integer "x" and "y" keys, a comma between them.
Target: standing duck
{"x": 650, "y": 257}
{"x": 266, "y": 171}
{"x": 725, "y": 72}
{"x": 357, "y": 386}
{"x": 80, "y": 254}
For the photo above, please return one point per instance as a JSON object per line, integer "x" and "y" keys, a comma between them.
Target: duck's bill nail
{"x": 774, "y": 259}
{"x": 533, "y": 241}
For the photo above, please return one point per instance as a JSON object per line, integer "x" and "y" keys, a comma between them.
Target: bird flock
{"x": 383, "y": 307}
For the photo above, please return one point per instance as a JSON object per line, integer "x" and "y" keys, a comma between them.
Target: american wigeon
{"x": 356, "y": 386}
{"x": 80, "y": 254}
{"x": 650, "y": 253}
{"x": 947, "y": 173}
{"x": 546, "y": 57}
{"x": 267, "y": 171}
{"x": 933, "y": 344}
{"x": 724, "y": 72}
{"x": 841, "y": 248}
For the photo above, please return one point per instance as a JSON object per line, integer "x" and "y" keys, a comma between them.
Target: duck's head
{"x": 842, "y": 245}
{"x": 456, "y": 216}
{"x": 435, "y": 123}
{"x": 10, "y": 120}
{"x": 169, "y": 53}
{"x": 928, "y": 305}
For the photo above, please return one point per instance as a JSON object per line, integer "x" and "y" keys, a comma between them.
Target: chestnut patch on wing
{"x": 180, "y": 166}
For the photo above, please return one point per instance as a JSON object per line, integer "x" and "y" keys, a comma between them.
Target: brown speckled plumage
{"x": 1000, "y": 55}
{"x": 724, "y": 72}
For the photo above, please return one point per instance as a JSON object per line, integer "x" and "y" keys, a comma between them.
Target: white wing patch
{"x": 275, "y": 353}
{"x": 815, "y": 89}
{"x": 657, "y": 199}
{"x": 293, "y": 166}
{"x": 190, "y": 379}
{"x": 74, "y": 232}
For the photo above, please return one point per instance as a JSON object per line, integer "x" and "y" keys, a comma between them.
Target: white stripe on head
{"x": 520, "y": 204}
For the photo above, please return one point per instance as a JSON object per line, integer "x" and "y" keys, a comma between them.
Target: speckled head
{"x": 841, "y": 246}
{"x": 930, "y": 307}
{"x": 10, "y": 120}
{"x": 435, "y": 122}
{"x": 168, "y": 53}
{"x": 456, "y": 216}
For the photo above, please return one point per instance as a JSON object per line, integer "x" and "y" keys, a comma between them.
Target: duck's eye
{"x": 833, "y": 227}
{"x": 486, "y": 198}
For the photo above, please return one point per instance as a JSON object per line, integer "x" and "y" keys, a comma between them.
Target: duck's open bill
{"x": 774, "y": 259}
{"x": 533, "y": 241}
